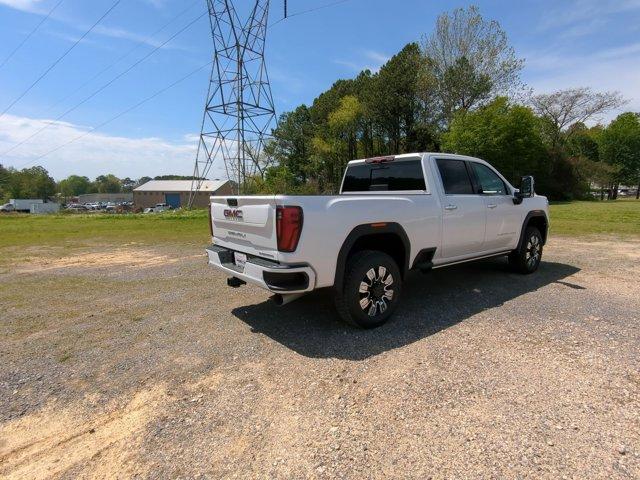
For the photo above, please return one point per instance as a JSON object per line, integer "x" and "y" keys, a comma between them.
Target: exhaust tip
{"x": 280, "y": 299}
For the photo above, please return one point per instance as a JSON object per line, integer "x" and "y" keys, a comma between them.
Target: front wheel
{"x": 371, "y": 289}
{"x": 526, "y": 259}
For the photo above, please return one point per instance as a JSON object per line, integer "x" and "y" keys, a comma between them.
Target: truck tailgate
{"x": 246, "y": 224}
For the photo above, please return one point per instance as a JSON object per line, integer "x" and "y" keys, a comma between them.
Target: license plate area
{"x": 239, "y": 259}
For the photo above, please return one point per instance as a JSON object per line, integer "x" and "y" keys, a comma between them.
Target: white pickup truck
{"x": 393, "y": 214}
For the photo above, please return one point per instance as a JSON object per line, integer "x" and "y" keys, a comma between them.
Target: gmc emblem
{"x": 233, "y": 213}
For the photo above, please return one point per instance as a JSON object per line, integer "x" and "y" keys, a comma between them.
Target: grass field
{"x": 79, "y": 230}
{"x": 573, "y": 219}
{"x": 621, "y": 217}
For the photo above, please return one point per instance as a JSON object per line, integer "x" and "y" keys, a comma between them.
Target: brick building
{"x": 176, "y": 192}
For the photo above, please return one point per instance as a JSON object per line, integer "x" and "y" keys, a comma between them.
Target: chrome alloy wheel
{"x": 533, "y": 251}
{"x": 376, "y": 291}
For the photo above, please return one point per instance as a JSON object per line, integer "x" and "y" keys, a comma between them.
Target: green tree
{"x": 470, "y": 61}
{"x": 583, "y": 141}
{"x": 291, "y": 144}
{"x": 128, "y": 184}
{"x": 34, "y": 182}
{"x": 143, "y": 180}
{"x": 620, "y": 146}
{"x": 582, "y": 149}
{"x": 74, "y": 185}
{"x": 108, "y": 184}
{"x": 5, "y": 175}
{"x": 564, "y": 108}
{"x": 394, "y": 104}
{"x": 505, "y": 135}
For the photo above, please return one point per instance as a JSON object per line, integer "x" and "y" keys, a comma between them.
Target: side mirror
{"x": 526, "y": 190}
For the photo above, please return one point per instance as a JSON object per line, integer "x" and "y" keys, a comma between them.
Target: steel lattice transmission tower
{"x": 239, "y": 112}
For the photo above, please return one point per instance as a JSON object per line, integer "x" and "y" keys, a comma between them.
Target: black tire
{"x": 382, "y": 291}
{"x": 526, "y": 259}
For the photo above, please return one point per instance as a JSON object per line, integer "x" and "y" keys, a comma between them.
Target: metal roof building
{"x": 176, "y": 192}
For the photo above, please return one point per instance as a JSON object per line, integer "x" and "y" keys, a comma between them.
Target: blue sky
{"x": 566, "y": 43}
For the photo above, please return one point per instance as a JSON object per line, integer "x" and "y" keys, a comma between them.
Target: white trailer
{"x": 24, "y": 204}
{"x": 45, "y": 208}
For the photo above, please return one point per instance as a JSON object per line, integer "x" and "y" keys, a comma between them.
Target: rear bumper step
{"x": 272, "y": 276}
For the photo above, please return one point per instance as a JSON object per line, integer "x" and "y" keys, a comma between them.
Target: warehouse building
{"x": 176, "y": 193}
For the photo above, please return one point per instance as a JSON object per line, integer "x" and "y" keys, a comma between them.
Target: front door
{"x": 503, "y": 216}
{"x": 464, "y": 212}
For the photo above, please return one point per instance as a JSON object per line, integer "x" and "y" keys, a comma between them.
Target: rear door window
{"x": 455, "y": 177}
{"x": 392, "y": 176}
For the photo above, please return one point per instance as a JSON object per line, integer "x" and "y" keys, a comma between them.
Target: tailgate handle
{"x": 232, "y": 202}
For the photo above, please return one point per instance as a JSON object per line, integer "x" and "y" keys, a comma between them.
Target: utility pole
{"x": 239, "y": 112}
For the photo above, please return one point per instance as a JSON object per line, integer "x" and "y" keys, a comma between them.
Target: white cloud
{"x": 24, "y": 5}
{"x": 607, "y": 69}
{"x": 121, "y": 33}
{"x": 157, "y": 3}
{"x": 96, "y": 153}
{"x": 32, "y": 6}
{"x": 368, "y": 60}
{"x": 586, "y": 11}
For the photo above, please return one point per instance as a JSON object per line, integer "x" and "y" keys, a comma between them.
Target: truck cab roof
{"x": 411, "y": 156}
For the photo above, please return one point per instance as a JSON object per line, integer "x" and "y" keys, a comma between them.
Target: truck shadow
{"x": 430, "y": 304}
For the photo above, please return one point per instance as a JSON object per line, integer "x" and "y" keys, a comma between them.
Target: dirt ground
{"x": 132, "y": 362}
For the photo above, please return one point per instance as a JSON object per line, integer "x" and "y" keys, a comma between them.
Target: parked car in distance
{"x": 7, "y": 208}
{"x": 76, "y": 208}
{"x": 159, "y": 207}
{"x": 416, "y": 211}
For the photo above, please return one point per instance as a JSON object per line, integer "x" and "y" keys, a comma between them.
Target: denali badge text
{"x": 233, "y": 213}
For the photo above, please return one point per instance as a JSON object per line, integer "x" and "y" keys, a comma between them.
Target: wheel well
{"x": 389, "y": 243}
{"x": 540, "y": 222}
{"x": 389, "y": 238}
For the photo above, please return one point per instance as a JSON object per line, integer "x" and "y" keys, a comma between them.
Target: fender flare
{"x": 364, "y": 230}
{"x": 530, "y": 215}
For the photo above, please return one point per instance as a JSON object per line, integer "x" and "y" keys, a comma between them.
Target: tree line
{"x": 36, "y": 182}
{"x": 457, "y": 90}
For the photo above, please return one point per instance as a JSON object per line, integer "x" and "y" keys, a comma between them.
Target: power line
{"x": 103, "y": 87}
{"x": 119, "y": 59}
{"x": 26, "y": 39}
{"x": 314, "y": 9}
{"x": 59, "y": 59}
{"x": 142, "y": 102}
{"x": 122, "y": 113}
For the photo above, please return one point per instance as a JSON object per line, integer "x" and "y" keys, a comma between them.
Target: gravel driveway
{"x": 136, "y": 362}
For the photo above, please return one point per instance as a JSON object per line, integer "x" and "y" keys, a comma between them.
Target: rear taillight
{"x": 210, "y": 221}
{"x": 288, "y": 227}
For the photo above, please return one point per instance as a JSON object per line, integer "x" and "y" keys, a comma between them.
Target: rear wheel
{"x": 526, "y": 259}
{"x": 371, "y": 289}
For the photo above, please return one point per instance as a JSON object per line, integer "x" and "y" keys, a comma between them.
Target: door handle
{"x": 451, "y": 207}
{"x": 492, "y": 205}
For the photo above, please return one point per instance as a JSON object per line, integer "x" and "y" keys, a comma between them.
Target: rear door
{"x": 246, "y": 224}
{"x": 464, "y": 212}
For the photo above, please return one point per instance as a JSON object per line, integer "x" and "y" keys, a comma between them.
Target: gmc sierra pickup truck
{"x": 393, "y": 214}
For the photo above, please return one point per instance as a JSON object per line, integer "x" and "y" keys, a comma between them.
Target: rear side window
{"x": 455, "y": 177}
{"x": 392, "y": 176}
